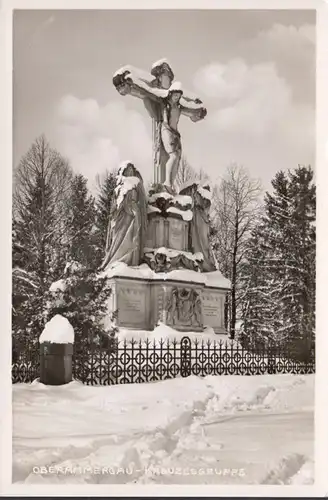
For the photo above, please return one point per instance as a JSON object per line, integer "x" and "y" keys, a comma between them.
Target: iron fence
{"x": 137, "y": 361}
{"x": 25, "y": 365}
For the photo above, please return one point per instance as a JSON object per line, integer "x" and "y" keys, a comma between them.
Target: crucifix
{"x": 165, "y": 101}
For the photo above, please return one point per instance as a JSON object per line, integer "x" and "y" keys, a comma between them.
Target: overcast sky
{"x": 254, "y": 71}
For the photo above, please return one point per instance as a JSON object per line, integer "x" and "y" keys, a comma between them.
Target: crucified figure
{"x": 165, "y": 102}
{"x": 170, "y": 136}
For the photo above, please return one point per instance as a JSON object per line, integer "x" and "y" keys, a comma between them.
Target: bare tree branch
{"x": 235, "y": 207}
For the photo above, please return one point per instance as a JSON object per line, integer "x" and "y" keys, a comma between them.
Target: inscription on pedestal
{"x": 212, "y": 310}
{"x": 169, "y": 233}
{"x": 156, "y": 232}
{"x": 159, "y": 232}
{"x": 132, "y": 306}
{"x": 176, "y": 234}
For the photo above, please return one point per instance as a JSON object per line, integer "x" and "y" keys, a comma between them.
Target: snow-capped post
{"x": 56, "y": 350}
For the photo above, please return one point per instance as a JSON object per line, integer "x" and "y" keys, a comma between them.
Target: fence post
{"x": 56, "y": 350}
{"x": 272, "y": 360}
{"x": 185, "y": 350}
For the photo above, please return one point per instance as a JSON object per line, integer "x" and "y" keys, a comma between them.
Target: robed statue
{"x": 199, "y": 229}
{"x": 128, "y": 219}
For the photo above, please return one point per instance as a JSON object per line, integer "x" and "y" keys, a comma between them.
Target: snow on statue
{"x": 128, "y": 219}
{"x": 165, "y": 101}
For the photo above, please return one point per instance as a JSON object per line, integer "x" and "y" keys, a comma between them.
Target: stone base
{"x": 185, "y": 306}
{"x": 55, "y": 363}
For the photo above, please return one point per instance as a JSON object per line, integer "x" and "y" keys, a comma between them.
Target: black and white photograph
{"x": 163, "y": 323}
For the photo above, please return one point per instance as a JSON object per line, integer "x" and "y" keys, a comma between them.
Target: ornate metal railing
{"x": 25, "y": 366}
{"x": 147, "y": 361}
{"x": 136, "y": 361}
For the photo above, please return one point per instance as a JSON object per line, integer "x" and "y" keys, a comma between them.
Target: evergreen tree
{"x": 299, "y": 298}
{"x": 41, "y": 185}
{"x": 24, "y": 285}
{"x": 277, "y": 220}
{"x": 81, "y": 224}
{"x": 279, "y": 271}
{"x": 106, "y": 187}
{"x": 255, "y": 300}
{"x": 82, "y": 297}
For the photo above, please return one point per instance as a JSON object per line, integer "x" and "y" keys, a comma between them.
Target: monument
{"x": 157, "y": 253}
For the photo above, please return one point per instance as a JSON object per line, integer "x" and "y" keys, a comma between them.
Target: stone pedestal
{"x": 183, "y": 305}
{"x": 167, "y": 232}
{"x": 169, "y": 286}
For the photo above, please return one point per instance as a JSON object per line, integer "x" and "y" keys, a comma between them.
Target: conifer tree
{"x": 106, "y": 186}
{"x": 255, "y": 299}
{"x": 299, "y": 293}
{"x": 279, "y": 271}
{"x": 81, "y": 224}
{"x": 81, "y": 296}
{"x": 277, "y": 220}
{"x": 41, "y": 185}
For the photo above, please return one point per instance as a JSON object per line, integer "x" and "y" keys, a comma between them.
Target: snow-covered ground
{"x": 223, "y": 430}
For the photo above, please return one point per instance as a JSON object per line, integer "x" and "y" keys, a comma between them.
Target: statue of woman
{"x": 128, "y": 219}
{"x": 199, "y": 234}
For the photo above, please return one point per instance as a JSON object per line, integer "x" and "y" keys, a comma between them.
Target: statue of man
{"x": 165, "y": 102}
{"x": 170, "y": 136}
